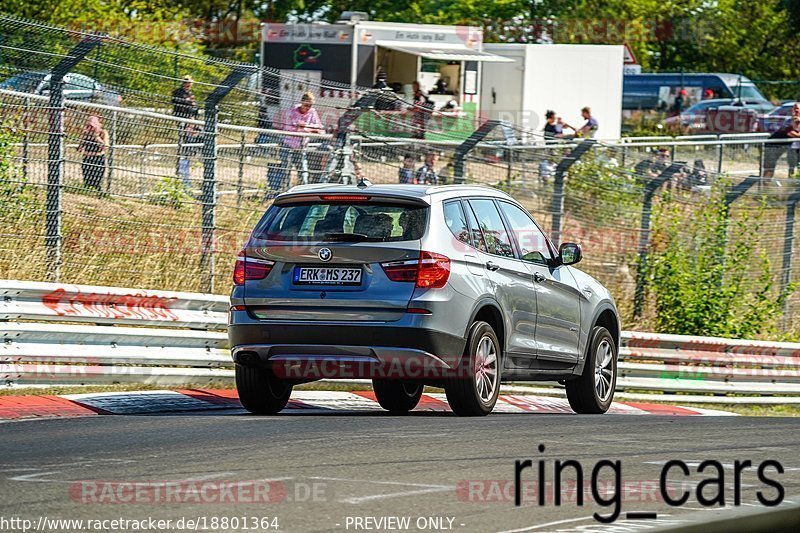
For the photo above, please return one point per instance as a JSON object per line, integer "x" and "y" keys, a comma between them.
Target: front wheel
{"x": 593, "y": 390}
{"x": 474, "y": 391}
{"x": 260, "y": 391}
{"x": 397, "y": 396}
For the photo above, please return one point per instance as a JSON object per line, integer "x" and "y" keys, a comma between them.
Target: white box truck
{"x": 561, "y": 77}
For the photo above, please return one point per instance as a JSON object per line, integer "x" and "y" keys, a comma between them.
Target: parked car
{"x": 694, "y": 119}
{"x": 775, "y": 119}
{"x": 76, "y": 87}
{"x": 657, "y": 92}
{"x": 410, "y": 285}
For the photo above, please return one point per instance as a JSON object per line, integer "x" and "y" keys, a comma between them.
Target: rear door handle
{"x": 491, "y": 266}
{"x": 538, "y": 278}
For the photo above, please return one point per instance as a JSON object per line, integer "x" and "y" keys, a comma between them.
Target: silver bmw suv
{"x": 411, "y": 285}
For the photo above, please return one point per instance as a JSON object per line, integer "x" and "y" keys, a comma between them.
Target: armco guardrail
{"x": 60, "y": 334}
{"x": 160, "y": 337}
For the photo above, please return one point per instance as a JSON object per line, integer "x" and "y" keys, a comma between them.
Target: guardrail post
{"x": 650, "y": 189}
{"x": 720, "y": 148}
{"x": 112, "y": 134}
{"x": 557, "y": 205}
{"x": 788, "y": 251}
{"x": 55, "y": 153}
{"x": 208, "y": 197}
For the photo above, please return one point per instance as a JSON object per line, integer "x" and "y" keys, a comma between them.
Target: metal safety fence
{"x": 168, "y": 201}
{"x": 89, "y": 335}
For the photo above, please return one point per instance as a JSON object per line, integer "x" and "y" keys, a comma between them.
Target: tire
{"x": 593, "y": 391}
{"x": 397, "y": 396}
{"x": 260, "y": 392}
{"x": 474, "y": 390}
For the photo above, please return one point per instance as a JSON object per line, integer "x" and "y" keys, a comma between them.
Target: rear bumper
{"x": 316, "y": 351}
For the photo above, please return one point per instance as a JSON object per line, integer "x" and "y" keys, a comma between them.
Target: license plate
{"x": 327, "y": 276}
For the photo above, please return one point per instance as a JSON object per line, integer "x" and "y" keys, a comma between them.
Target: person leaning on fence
{"x": 184, "y": 104}
{"x": 301, "y": 118}
{"x": 426, "y": 175}
{"x": 93, "y": 145}
{"x": 774, "y": 150}
{"x": 406, "y": 174}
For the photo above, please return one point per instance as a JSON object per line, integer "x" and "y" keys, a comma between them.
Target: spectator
{"x": 426, "y": 175}
{"x": 553, "y": 126}
{"x": 421, "y": 111}
{"x": 708, "y": 94}
{"x": 452, "y": 104}
{"x": 191, "y": 136}
{"x": 406, "y": 174}
{"x": 653, "y": 165}
{"x": 184, "y": 104}
{"x": 590, "y": 128}
{"x": 380, "y": 79}
{"x": 793, "y": 156}
{"x": 774, "y": 150}
{"x": 301, "y": 118}
{"x": 93, "y": 145}
{"x": 386, "y": 100}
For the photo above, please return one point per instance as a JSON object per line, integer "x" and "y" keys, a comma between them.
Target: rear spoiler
{"x": 350, "y": 197}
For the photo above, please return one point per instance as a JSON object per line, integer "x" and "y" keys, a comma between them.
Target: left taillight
{"x": 248, "y": 268}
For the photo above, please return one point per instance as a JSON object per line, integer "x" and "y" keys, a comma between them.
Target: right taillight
{"x": 248, "y": 268}
{"x": 430, "y": 271}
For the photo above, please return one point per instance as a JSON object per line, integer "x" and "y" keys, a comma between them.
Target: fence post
{"x": 208, "y": 197}
{"x": 788, "y": 252}
{"x": 240, "y": 182}
{"x": 111, "y": 150}
{"x": 55, "y": 153}
{"x": 650, "y": 189}
{"x": 720, "y": 149}
{"x": 472, "y": 141}
{"x": 25, "y": 140}
{"x": 557, "y": 205}
{"x": 340, "y": 167}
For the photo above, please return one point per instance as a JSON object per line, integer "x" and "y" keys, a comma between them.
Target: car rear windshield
{"x": 343, "y": 222}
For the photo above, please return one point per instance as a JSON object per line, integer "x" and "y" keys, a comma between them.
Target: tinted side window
{"x": 532, "y": 242}
{"x": 489, "y": 221}
{"x": 477, "y": 235}
{"x": 456, "y": 221}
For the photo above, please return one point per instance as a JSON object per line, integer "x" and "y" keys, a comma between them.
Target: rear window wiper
{"x": 350, "y": 237}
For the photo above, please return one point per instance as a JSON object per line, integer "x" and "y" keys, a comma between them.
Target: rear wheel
{"x": 396, "y": 395}
{"x": 260, "y": 392}
{"x": 474, "y": 391}
{"x": 593, "y": 390}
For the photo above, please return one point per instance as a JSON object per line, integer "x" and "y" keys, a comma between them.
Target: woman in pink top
{"x": 301, "y": 118}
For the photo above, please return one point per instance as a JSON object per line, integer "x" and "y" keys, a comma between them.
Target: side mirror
{"x": 569, "y": 253}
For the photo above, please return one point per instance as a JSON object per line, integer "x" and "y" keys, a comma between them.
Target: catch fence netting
{"x": 138, "y": 213}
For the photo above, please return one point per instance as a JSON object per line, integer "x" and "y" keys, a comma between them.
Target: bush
{"x": 16, "y": 195}
{"x": 696, "y": 276}
{"x": 170, "y": 191}
{"x": 596, "y": 186}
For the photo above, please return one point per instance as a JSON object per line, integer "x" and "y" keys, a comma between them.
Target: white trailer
{"x": 561, "y": 77}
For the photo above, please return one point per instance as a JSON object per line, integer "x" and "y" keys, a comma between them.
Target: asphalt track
{"x": 328, "y": 470}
